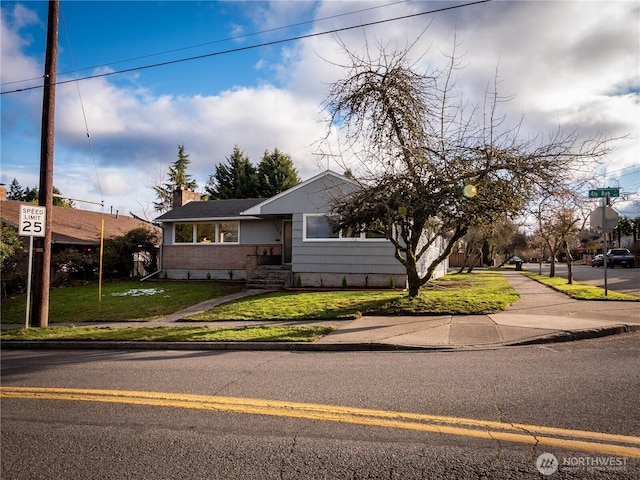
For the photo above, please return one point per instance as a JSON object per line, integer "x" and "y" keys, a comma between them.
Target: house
{"x": 71, "y": 228}
{"x": 75, "y": 228}
{"x": 285, "y": 240}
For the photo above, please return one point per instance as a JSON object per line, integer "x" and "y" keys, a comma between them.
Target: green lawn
{"x": 480, "y": 292}
{"x": 477, "y": 293}
{"x": 278, "y": 333}
{"x": 580, "y": 291}
{"x": 121, "y": 301}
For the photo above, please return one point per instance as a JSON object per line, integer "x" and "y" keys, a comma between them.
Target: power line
{"x": 251, "y": 47}
{"x": 84, "y": 115}
{"x": 237, "y": 37}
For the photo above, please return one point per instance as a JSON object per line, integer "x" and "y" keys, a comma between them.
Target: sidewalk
{"x": 541, "y": 315}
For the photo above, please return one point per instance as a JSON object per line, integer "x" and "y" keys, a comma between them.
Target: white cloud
{"x": 569, "y": 64}
{"x": 15, "y": 65}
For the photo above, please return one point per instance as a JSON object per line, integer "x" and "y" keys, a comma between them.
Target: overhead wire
{"x": 228, "y": 39}
{"x": 251, "y": 47}
{"x": 93, "y": 158}
{"x": 84, "y": 114}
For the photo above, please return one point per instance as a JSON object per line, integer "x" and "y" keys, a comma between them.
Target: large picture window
{"x": 323, "y": 227}
{"x": 212, "y": 232}
{"x": 320, "y": 226}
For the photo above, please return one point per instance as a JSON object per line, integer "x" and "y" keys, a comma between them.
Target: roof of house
{"x": 235, "y": 209}
{"x": 257, "y": 208}
{"x": 77, "y": 227}
{"x": 210, "y": 209}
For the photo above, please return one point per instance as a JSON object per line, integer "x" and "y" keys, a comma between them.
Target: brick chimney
{"x": 3, "y": 192}
{"x": 183, "y": 195}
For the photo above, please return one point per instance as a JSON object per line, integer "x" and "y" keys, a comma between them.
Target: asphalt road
{"x": 245, "y": 415}
{"x": 623, "y": 280}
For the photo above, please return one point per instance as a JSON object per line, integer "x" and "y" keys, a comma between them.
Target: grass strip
{"x": 275, "y": 333}
{"x": 580, "y": 291}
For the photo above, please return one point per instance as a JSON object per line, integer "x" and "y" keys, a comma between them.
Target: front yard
{"x": 481, "y": 292}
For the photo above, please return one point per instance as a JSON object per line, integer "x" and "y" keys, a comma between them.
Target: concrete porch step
{"x": 269, "y": 277}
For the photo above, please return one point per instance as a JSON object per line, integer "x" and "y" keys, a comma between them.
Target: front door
{"x": 287, "y": 240}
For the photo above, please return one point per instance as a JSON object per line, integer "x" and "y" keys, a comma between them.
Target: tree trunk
{"x": 474, "y": 258}
{"x": 464, "y": 263}
{"x": 569, "y": 266}
{"x": 413, "y": 279}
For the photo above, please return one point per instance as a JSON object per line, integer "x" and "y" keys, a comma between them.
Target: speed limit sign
{"x": 32, "y": 220}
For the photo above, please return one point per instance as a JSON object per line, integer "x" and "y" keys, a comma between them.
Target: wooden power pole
{"x": 42, "y": 257}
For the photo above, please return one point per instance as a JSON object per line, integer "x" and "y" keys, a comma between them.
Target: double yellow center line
{"x": 577, "y": 440}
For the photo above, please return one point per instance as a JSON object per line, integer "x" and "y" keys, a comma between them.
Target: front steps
{"x": 269, "y": 277}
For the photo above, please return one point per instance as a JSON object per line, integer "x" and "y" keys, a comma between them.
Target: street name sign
{"x": 32, "y": 220}
{"x": 604, "y": 192}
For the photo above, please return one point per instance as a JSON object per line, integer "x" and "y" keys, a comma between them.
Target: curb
{"x": 575, "y": 335}
{"x": 559, "y": 337}
{"x": 220, "y": 346}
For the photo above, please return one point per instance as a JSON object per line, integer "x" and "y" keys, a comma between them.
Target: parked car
{"x": 620, "y": 257}
{"x": 598, "y": 260}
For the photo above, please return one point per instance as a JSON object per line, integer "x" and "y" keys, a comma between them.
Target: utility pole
{"x": 42, "y": 275}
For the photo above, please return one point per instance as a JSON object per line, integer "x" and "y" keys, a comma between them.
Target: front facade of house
{"x": 236, "y": 239}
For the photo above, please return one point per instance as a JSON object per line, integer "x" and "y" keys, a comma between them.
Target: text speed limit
{"x": 32, "y": 220}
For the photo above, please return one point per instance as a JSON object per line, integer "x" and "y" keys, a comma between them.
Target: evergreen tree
{"x": 16, "y": 192}
{"x": 176, "y": 177}
{"x": 31, "y": 195}
{"x": 237, "y": 179}
{"x": 276, "y": 173}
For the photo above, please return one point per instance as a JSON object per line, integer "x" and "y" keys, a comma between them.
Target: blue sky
{"x": 573, "y": 65}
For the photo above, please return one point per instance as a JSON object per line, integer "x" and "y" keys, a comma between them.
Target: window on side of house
{"x": 318, "y": 227}
{"x": 374, "y": 232}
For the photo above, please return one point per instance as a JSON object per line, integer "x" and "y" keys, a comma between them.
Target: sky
{"x": 214, "y": 75}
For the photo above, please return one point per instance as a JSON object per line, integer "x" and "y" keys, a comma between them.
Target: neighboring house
{"x": 285, "y": 240}
{"x": 75, "y": 228}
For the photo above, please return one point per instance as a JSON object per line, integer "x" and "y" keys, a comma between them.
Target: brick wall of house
{"x": 214, "y": 256}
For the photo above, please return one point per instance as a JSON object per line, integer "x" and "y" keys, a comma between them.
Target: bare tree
{"x": 430, "y": 166}
{"x": 560, "y": 220}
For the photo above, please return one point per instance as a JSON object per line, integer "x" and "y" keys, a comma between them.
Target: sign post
{"x": 32, "y": 224}
{"x": 605, "y": 193}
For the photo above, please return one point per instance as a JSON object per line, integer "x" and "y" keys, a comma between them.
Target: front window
{"x": 212, "y": 232}
{"x": 375, "y": 231}
{"x": 324, "y": 227}
{"x": 206, "y": 232}
{"x": 184, "y": 233}
{"x": 228, "y": 232}
{"x": 320, "y": 226}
